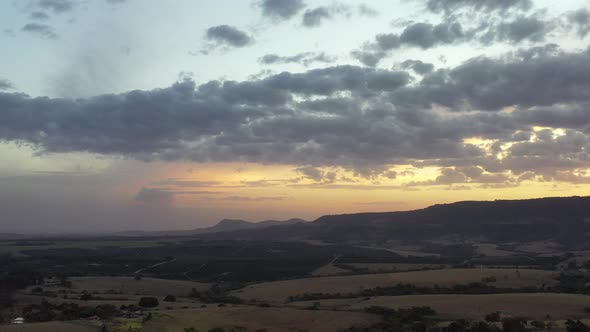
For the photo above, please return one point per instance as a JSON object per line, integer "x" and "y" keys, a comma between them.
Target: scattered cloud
{"x": 56, "y": 6}
{"x": 227, "y": 36}
{"x": 42, "y": 30}
{"x": 418, "y": 66}
{"x": 450, "y": 6}
{"x": 39, "y": 15}
{"x": 315, "y": 17}
{"x": 305, "y": 58}
{"x": 366, "y": 10}
{"x": 580, "y": 20}
{"x": 5, "y": 85}
{"x": 281, "y": 9}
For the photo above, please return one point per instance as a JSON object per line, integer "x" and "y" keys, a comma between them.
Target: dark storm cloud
{"x": 281, "y": 9}
{"x": 449, "y": 6}
{"x": 43, "y": 30}
{"x": 305, "y": 58}
{"x": 5, "y": 84}
{"x": 56, "y": 6}
{"x": 228, "y": 36}
{"x": 356, "y": 118}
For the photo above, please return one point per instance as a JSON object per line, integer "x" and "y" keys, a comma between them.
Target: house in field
{"x": 18, "y": 320}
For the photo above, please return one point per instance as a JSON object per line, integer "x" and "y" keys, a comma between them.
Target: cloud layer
{"x": 355, "y": 118}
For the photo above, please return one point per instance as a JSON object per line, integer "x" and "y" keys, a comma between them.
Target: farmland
{"x": 535, "y": 306}
{"x": 509, "y": 278}
{"x": 52, "y": 326}
{"x": 128, "y": 285}
{"x": 254, "y": 318}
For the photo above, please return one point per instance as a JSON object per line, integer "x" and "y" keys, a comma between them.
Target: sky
{"x": 150, "y": 115}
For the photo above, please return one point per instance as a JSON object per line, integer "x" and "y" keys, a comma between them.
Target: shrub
{"x": 148, "y": 302}
{"x": 576, "y": 326}
{"x": 493, "y": 317}
{"x": 514, "y": 324}
{"x": 169, "y": 298}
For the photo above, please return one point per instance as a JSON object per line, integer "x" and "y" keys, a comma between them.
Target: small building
{"x": 18, "y": 320}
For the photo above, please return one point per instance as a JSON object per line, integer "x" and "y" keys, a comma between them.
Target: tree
{"x": 493, "y": 317}
{"x": 514, "y": 324}
{"x": 576, "y": 326}
{"x": 148, "y": 302}
{"x": 538, "y": 325}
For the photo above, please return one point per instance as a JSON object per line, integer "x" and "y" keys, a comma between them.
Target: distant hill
{"x": 224, "y": 225}
{"x": 10, "y": 236}
{"x": 565, "y": 220}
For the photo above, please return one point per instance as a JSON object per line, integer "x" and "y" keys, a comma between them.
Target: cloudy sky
{"x": 129, "y": 114}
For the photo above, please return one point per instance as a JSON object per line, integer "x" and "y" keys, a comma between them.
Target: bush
{"x": 148, "y": 302}
{"x": 37, "y": 290}
{"x": 514, "y": 324}
{"x": 576, "y": 326}
{"x": 169, "y": 298}
{"x": 538, "y": 325}
{"x": 493, "y": 317}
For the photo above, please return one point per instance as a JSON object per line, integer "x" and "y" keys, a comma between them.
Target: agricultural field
{"x": 253, "y": 318}
{"x": 73, "y": 326}
{"x": 533, "y": 306}
{"x": 128, "y": 285}
{"x": 329, "y": 270}
{"x": 278, "y": 291}
{"x": 395, "y": 267}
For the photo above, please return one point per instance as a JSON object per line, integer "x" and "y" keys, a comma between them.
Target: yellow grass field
{"x": 253, "y": 318}
{"x": 328, "y": 270}
{"x": 533, "y": 306}
{"x": 395, "y": 267}
{"x": 128, "y": 285}
{"x": 278, "y": 291}
{"x": 74, "y": 326}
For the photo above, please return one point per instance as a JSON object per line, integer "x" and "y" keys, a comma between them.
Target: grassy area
{"x": 278, "y": 291}
{"x": 128, "y": 285}
{"x": 253, "y": 318}
{"x": 534, "y": 306}
{"x": 74, "y": 326}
